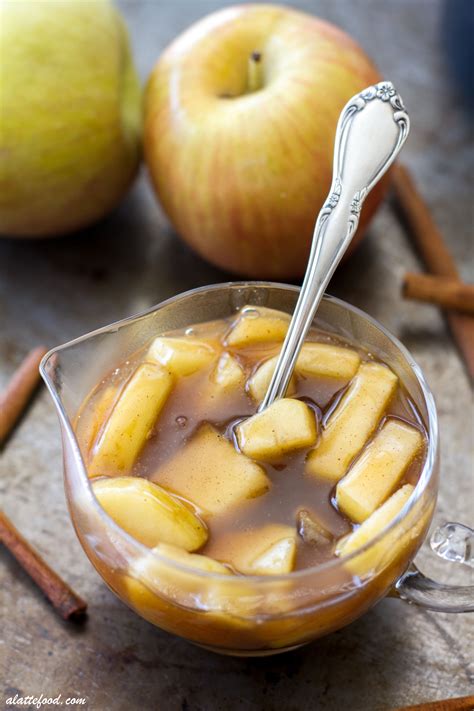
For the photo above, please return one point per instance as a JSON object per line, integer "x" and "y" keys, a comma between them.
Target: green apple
{"x": 240, "y": 118}
{"x": 70, "y": 114}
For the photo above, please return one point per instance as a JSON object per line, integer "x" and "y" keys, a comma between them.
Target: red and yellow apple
{"x": 70, "y": 113}
{"x": 240, "y": 118}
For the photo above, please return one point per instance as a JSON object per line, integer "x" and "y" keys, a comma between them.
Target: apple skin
{"x": 70, "y": 116}
{"x": 242, "y": 179}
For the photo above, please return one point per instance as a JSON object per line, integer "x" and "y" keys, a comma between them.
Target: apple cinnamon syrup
{"x": 295, "y": 495}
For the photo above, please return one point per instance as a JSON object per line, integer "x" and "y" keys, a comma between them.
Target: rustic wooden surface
{"x": 54, "y": 290}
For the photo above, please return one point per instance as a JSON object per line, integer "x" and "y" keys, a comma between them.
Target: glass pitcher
{"x": 247, "y": 615}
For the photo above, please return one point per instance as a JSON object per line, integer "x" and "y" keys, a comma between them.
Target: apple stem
{"x": 255, "y": 72}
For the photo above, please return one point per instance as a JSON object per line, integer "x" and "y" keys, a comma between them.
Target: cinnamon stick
{"x": 434, "y": 253}
{"x": 445, "y": 292}
{"x": 62, "y": 597}
{"x": 19, "y": 390}
{"x": 463, "y": 703}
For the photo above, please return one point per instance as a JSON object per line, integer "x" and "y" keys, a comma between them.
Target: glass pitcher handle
{"x": 453, "y": 542}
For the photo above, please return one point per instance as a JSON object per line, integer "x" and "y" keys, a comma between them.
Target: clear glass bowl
{"x": 252, "y": 615}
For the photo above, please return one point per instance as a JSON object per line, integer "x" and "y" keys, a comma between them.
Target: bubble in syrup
{"x": 181, "y": 421}
{"x": 190, "y": 331}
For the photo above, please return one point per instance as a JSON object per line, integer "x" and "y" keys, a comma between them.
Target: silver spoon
{"x": 371, "y": 130}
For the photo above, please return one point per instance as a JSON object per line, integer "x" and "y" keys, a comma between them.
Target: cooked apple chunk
{"x": 278, "y": 559}
{"x": 227, "y": 374}
{"x": 315, "y": 360}
{"x": 191, "y": 560}
{"x": 181, "y": 356}
{"x": 154, "y": 582}
{"x": 327, "y": 361}
{"x": 368, "y": 530}
{"x": 378, "y": 470}
{"x": 283, "y": 427}
{"x": 210, "y": 472}
{"x": 166, "y": 582}
{"x": 353, "y": 421}
{"x": 226, "y": 380}
{"x": 131, "y": 420}
{"x": 311, "y": 530}
{"x": 100, "y": 411}
{"x": 269, "y": 550}
{"x": 258, "y": 384}
{"x": 149, "y": 513}
{"x": 257, "y": 324}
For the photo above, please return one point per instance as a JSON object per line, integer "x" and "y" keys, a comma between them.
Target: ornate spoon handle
{"x": 371, "y": 130}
